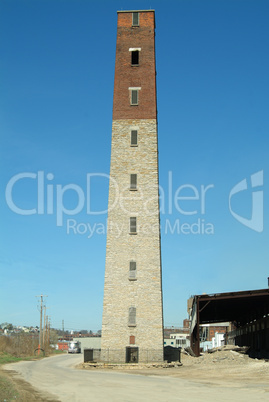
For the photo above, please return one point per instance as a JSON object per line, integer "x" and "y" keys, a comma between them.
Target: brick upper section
{"x": 144, "y": 75}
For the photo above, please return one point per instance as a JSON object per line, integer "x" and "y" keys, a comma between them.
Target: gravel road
{"x": 57, "y": 376}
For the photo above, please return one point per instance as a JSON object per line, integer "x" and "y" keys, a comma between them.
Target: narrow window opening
{"x": 133, "y": 225}
{"x": 132, "y": 270}
{"x": 135, "y": 19}
{"x": 134, "y": 97}
{"x": 134, "y": 138}
{"x": 133, "y": 181}
{"x": 135, "y": 58}
{"x": 132, "y": 317}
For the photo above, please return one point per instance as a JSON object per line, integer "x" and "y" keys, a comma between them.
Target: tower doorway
{"x": 131, "y": 355}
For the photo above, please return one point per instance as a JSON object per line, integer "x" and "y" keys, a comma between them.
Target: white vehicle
{"x": 74, "y": 347}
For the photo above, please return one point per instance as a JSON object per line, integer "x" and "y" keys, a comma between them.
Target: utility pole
{"x": 40, "y": 328}
{"x": 48, "y": 330}
{"x": 63, "y": 327}
{"x": 44, "y": 326}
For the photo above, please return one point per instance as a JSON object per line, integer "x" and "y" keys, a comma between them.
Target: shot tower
{"x": 132, "y": 328}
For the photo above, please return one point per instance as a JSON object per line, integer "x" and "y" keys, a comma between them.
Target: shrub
{"x": 18, "y": 344}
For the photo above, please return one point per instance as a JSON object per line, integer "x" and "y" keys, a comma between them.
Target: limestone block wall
{"x": 145, "y": 292}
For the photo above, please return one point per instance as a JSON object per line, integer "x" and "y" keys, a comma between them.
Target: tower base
{"x": 131, "y": 355}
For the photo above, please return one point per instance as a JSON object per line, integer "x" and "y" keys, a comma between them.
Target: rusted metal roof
{"x": 240, "y": 308}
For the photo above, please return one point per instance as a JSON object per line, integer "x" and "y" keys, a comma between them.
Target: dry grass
{"x": 8, "y": 391}
{"x": 12, "y": 349}
{"x": 13, "y": 388}
{"x": 19, "y": 345}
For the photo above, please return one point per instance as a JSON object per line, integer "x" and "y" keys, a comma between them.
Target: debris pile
{"x": 227, "y": 360}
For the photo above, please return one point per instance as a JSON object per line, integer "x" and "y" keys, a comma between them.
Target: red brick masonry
{"x": 142, "y": 36}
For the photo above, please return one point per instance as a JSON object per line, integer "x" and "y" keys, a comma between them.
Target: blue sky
{"x": 57, "y": 73}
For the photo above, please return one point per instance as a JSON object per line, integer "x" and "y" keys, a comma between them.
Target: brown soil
{"x": 223, "y": 366}
{"x": 23, "y": 391}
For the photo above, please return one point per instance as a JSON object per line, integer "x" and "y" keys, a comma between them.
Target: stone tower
{"x": 132, "y": 328}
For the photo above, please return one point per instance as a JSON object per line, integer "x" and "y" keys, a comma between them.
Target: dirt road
{"x": 59, "y": 379}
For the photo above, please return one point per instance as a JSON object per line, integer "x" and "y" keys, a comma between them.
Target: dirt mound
{"x": 225, "y": 363}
